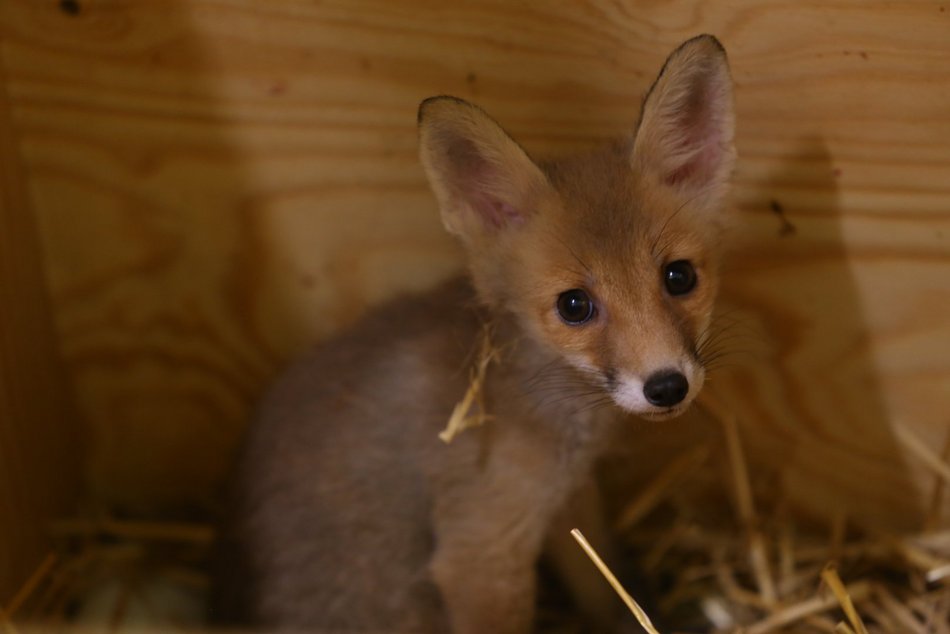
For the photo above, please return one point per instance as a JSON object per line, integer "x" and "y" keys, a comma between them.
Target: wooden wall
{"x": 219, "y": 182}
{"x": 39, "y": 449}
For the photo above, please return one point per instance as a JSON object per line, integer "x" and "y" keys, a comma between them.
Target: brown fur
{"x": 350, "y": 514}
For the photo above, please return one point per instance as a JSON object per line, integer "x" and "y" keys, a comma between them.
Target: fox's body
{"x": 596, "y": 276}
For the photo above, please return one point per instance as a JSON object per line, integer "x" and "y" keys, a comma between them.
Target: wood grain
{"x": 218, "y": 183}
{"x": 39, "y": 454}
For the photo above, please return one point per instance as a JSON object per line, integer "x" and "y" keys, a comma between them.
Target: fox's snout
{"x": 661, "y": 393}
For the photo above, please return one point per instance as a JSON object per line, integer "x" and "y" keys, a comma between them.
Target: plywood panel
{"x": 219, "y": 183}
{"x": 39, "y": 453}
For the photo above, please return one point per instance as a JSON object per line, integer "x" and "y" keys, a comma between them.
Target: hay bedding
{"x": 112, "y": 574}
{"x": 761, "y": 573}
{"x": 753, "y": 574}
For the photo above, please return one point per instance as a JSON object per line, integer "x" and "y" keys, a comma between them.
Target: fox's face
{"x": 607, "y": 259}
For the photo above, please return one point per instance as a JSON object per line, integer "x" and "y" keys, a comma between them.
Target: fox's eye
{"x": 679, "y": 277}
{"x": 575, "y": 306}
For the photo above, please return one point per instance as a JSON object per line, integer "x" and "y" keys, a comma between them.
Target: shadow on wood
{"x": 808, "y": 396}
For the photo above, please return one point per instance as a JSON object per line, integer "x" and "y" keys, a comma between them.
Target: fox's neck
{"x": 535, "y": 382}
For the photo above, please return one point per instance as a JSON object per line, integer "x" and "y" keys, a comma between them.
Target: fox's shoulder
{"x": 412, "y": 338}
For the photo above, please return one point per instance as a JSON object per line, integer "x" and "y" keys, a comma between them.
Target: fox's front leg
{"x": 484, "y": 566}
{"x": 483, "y": 591}
{"x": 490, "y": 523}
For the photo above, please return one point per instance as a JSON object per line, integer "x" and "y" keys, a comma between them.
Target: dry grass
{"x": 631, "y": 603}
{"x": 752, "y": 574}
{"x": 110, "y": 573}
{"x": 470, "y": 411}
{"x": 765, "y": 575}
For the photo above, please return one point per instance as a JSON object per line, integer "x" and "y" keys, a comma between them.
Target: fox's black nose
{"x": 666, "y": 389}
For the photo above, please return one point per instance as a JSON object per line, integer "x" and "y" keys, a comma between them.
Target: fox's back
{"x": 336, "y": 470}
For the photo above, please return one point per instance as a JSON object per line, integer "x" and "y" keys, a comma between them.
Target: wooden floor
{"x": 218, "y": 183}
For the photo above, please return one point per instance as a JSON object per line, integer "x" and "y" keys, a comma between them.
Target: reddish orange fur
{"x": 350, "y": 515}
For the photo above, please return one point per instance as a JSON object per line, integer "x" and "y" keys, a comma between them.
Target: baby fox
{"x": 596, "y": 275}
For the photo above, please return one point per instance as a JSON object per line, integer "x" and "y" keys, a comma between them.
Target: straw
{"x": 830, "y": 576}
{"x": 746, "y": 509}
{"x": 470, "y": 411}
{"x": 922, "y": 451}
{"x": 29, "y": 587}
{"x": 638, "y": 612}
{"x": 653, "y": 493}
{"x": 939, "y": 487}
{"x": 793, "y": 613}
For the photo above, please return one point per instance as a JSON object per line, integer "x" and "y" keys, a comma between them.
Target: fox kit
{"x": 596, "y": 274}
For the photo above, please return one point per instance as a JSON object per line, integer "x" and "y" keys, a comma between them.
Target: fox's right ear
{"x": 483, "y": 180}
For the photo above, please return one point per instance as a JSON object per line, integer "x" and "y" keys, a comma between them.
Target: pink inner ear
{"x": 493, "y": 212}
{"x": 700, "y": 138}
{"x": 700, "y": 168}
{"x": 476, "y": 179}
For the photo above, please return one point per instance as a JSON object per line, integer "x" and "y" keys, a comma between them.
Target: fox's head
{"x": 609, "y": 259}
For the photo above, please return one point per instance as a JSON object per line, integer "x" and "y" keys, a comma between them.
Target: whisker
{"x": 723, "y": 340}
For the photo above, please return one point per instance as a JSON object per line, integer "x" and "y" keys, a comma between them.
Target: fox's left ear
{"x": 685, "y": 135}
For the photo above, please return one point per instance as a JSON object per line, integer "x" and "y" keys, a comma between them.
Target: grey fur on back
{"x": 342, "y": 479}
